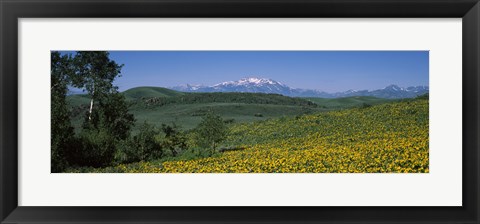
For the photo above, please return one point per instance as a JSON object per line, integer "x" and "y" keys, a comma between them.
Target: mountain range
{"x": 264, "y": 85}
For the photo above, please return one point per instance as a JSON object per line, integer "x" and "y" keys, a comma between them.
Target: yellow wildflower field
{"x": 387, "y": 138}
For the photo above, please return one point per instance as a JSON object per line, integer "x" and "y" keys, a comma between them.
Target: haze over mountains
{"x": 264, "y": 85}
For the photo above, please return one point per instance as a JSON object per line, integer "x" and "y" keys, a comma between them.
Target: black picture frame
{"x": 11, "y": 11}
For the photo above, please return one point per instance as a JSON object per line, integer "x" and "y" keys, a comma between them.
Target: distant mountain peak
{"x": 394, "y": 88}
{"x": 266, "y": 85}
{"x": 250, "y": 81}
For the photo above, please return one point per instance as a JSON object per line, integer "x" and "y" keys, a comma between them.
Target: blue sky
{"x": 329, "y": 71}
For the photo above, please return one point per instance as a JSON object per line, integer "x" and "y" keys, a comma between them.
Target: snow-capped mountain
{"x": 251, "y": 85}
{"x": 255, "y": 85}
{"x": 263, "y": 85}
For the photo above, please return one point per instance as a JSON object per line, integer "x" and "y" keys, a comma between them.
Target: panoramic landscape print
{"x": 239, "y": 111}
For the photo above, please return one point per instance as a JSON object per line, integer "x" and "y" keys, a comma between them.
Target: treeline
{"x": 233, "y": 97}
{"x": 105, "y": 137}
{"x": 107, "y": 119}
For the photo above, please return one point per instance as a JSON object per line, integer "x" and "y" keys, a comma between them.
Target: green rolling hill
{"x": 158, "y": 106}
{"x": 150, "y": 92}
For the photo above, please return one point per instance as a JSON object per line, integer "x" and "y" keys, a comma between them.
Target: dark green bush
{"x": 94, "y": 147}
{"x": 211, "y": 131}
{"x": 141, "y": 147}
{"x": 172, "y": 139}
{"x": 365, "y": 105}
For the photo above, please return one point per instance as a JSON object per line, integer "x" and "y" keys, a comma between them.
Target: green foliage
{"x": 62, "y": 134}
{"x": 107, "y": 121}
{"x": 151, "y": 144}
{"x": 229, "y": 121}
{"x": 348, "y": 102}
{"x": 107, "y": 109}
{"x": 211, "y": 131}
{"x": 140, "y": 147}
{"x": 96, "y": 148}
{"x": 112, "y": 114}
{"x": 173, "y": 140}
{"x": 365, "y": 105}
{"x": 95, "y": 72}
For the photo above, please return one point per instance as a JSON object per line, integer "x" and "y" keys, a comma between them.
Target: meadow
{"x": 353, "y": 135}
{"x": 159, "y": 106}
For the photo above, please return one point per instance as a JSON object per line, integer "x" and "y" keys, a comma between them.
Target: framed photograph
{"x": 239, "y": 111}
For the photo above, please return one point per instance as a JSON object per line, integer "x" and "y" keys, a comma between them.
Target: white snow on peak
{"x": 250, "y": 81}
{"x": 195, "y": 87}
{"x": 395, "y": 88}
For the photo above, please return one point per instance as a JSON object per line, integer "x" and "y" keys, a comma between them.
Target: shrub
{"x": 211, "y": 131}
{"x": 229, "y": 121}
{"x": 95, "y": 147}
{"x": 142, "y": 146}
{"x": 173, "y": 139}
{"x": 365, "y": 105}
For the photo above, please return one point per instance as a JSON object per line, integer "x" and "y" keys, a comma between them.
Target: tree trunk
{"x": 91, "y": 104}
{"x": 91, "y": 108}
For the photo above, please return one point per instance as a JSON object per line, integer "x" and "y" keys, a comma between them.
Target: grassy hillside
{"x": 163, "y": 106}
{"x": 187, "y": 110}
{"x": 158, "y": 106}
{"x": 231, "y": 97}
{"x": 189, "y": 115}
{"x": 387, "y": 138}
{"x": 150, "y": 92}
{"x": 348, "y": 102}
